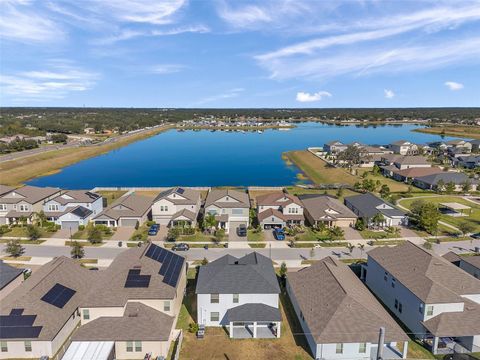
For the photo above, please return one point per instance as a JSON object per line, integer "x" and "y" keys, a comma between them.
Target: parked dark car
{"x": 180, "y": 247}
{"x": 279, "y": 234}
{"x": 153, "y": 230}
{"x": 475, "y": 236}
{"x": 242, "y": 230}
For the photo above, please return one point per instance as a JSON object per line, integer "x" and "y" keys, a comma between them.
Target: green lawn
{"x": 18, "y": 231}
{"x": 82, "y": 234}
{"x": 111, "y": 196}
{"x": 312, "y": 235}
{"x": 473, "y": 218}
{"x": 198, "y": 236}
{"x": 140, "y": 234}
{"x": 369, "y": 234}
{"x": 257, "y": 246}
{"x": 255, "y": 236}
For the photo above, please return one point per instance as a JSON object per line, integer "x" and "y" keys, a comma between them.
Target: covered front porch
{"x": 253, "y": 321}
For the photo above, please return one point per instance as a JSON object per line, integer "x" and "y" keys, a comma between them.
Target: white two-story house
{"x": 230, "y": 207}
{"x": 24, "y": 202}
{"x": 339, "y": 316}
{"x": 434, "y": 299}
{"x": 404, "y": 147}
{"x": 73, "y": 208}
{"x": 240, "y": 295}
{"x": 279, "y": 210}
{"x": 176, "y": 205}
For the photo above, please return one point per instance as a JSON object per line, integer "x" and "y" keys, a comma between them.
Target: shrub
{"x": 150, "y": 223}
{"x": 81, "y": 227}
{"x": 33, "y": 232}
{"x": 94, "y": 235}
{"x": 193, "y": 328}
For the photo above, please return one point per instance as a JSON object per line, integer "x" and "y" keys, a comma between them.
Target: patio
{"x": 388, "y": 353}
{"x": 246, "y": 331}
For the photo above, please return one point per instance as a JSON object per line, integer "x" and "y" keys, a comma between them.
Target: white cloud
{"x": 18, "y": 22}
{"x": 307, "y": 97}
{"x": 163, "y": 69}
{"x": 389, "y": 94}
{"x": 454, "y": 86}
{"x": 244, "y": 16}
{"x": 54, "y": 83}
{"x": 231, "y": 93}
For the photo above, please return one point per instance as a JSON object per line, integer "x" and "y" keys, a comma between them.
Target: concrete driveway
{"x": 232, "y": 234}
{"x": 268, "y": 235}
{"x": 123, "y": 233}
{"x": 351, "y": 233}
{"x": 161, "y": 235}
{"x": 63, "y": 234}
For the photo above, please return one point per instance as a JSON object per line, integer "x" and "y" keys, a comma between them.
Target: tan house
{"x": 230, "y": 207}
{"x": 131, "y": 307}
{"x": 24, "y": 202}
{"x": 279, "y": 210}
{"x": 176, "y": 206}
{"x": 128, "y": 210}
{"x": 327, "y": 210}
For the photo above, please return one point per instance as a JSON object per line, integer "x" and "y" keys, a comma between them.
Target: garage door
{"x": 128, "y": 222}
{"x": 72, "y": 225}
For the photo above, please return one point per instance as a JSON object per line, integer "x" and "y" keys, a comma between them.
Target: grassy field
{"x": 317, "y": 170}
{"x": 111, "y": 196}
{"x": 18, "y": 231}
{"x": 255, "y": 236}
{"x": 473, "y": 218}
{"x": 16, "y": 171}
{"x": 469, "y": 132}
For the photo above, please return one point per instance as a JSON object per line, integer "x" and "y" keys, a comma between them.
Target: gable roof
{"x": 318, "y": 207}
{"x": 8, "y": 274}
{"x": 277, "y": 198}
{"x": 367, "y": 205}
{"x": 411, "y": 160}
{"x": 139, "y": 322}
{"x": 472, "y": 260}
{"x": 5, "y": 189}
{"x": 447, "y": 177}
{"x": 76, "y": 196}
{"x": 133, "y": 206}
{"x": 334, "y": 301}
{"x": 430, "y": 277}
{"x": 214, "y": 195}
{"x": 402, "y": 143}
{"x": 250, "y": 274}
{"x": 29, "y": 194}
{"x": 417, "y": 172}
{"x": 179, "y": 196}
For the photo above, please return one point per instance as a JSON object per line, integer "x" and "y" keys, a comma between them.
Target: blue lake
{"x": 205, "y": 158}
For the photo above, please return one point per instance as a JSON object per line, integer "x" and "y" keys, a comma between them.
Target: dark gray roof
{"x": 253, "y": 312}
{"x": 457, "y": 178}
{"x": 81, "y": 212}
{"x": 7, "y": 274}
{"x": 251, "y": 274}
{"x": 368, "y": 205}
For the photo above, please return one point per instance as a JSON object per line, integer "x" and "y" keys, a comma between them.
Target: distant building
{"x": 404, "y": 147}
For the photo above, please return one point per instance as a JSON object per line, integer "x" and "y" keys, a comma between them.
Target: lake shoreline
{"x": 460, "y": 132}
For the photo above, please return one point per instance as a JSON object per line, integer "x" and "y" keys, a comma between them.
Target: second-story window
{"x": 166, "y": 305}
{"x": 23, "y": 207}
{"x": 86, "y": 314}
{"x": 3, "y": 207}
{"x": 429, "y": 310}
{"x": 52, "y": 207}
{"x": 236, "y": 298}
{"x": 214, "y": 298}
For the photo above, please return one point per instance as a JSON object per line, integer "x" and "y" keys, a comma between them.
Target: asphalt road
{"x": 212, "y": 254}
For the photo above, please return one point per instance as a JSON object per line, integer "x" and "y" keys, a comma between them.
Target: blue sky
{"x": 222, "y": 53}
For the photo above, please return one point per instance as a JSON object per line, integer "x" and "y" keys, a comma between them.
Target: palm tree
{"x": 22, "y": 220}
{"x": 350, "y": 248}
{"x": 210, "y": 222}
{"x": 378, "y": 219}
{"x": 362, "y": 248}
{"x": 41, "y": 217}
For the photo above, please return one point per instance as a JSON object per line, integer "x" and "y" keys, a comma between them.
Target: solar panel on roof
{"x": 16, "y": 312}
{"x": 58, "y": 295}
{"x": 135, "y": 280}
{"x": 180, "y": 190}
{"x": 166, "y": 263}
{"x": 170, "y": 267}
{"x": 150, "y": 251}
{"x": 163, "y": 254}
{"x": 15, "y": 332}
{"x": 17, "y": 320}
{"x": 175, "y": 273}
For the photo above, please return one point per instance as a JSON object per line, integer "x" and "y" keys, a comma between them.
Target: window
{"x": 393, "y": 282}
{"x": 3, "y": 346}
{"x": 237, "y": 211}
{"x": 214, "y": 316}
{"x": 420, "y": 308}
{"x": 235, "y": 298}
{"x": 429, "y": 310}
{"x": 129, "y": 346}
{"x": 3, "y": 207}
{"x": 166, "y": 306}
{"x": 28, "y": 346}
{"x": 86, "y": 314}
{"x": 23, "y": 207}
{"x": 385, "y": 277}
{"x": 396, "y": 304}
{"x": 138, "y": 346}
{"x": 339, "y": 349}
{"x": 362, "y": 348}
{"x": 214, "y": 298}
{"x": 400, "y": 308}
{"x": 52, "y": 207}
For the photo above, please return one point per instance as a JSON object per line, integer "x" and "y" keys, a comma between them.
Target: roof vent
{"x": 236, "y": 262}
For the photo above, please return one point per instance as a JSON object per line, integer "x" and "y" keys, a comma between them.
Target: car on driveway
{"x": 153, "y": 230}
{"x": 475, "y": 236}
{"x": 180, "y": 247}
{"x": 242, "y": 230}
{"x": 279, "y": 234}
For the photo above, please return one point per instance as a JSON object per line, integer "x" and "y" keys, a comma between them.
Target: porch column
{"x": 231, "y": 329}
{"x": 435, "y": 345}
{"x": 254, "y": 329}
{"x": 405, "y": 349}
{"x": 278, "y": 328}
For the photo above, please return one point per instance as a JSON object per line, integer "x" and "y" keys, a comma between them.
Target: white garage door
{"x": 72, "y": 225}
{"x": 128, "y": 222}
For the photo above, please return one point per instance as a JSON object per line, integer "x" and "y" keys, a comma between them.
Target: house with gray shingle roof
{"x": 128, "y": 210}
{"x": 133, "y": 303}
{"x": 437, "y": 301}
{"x": 10, "y": 278}
{"x": 73, "y": 208}
{"x": 327, "y": 210}
{"x": 431, "y": 182}
{"x": 339, "y": 316}
{"x": 177, "y": 205}
{"x": 240, "y": 294}
{"x": 230, "y": 207}
{"x": 367, "y": 205}
{"x": 471, "y": 264}
{"x": 24, "y": 202}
